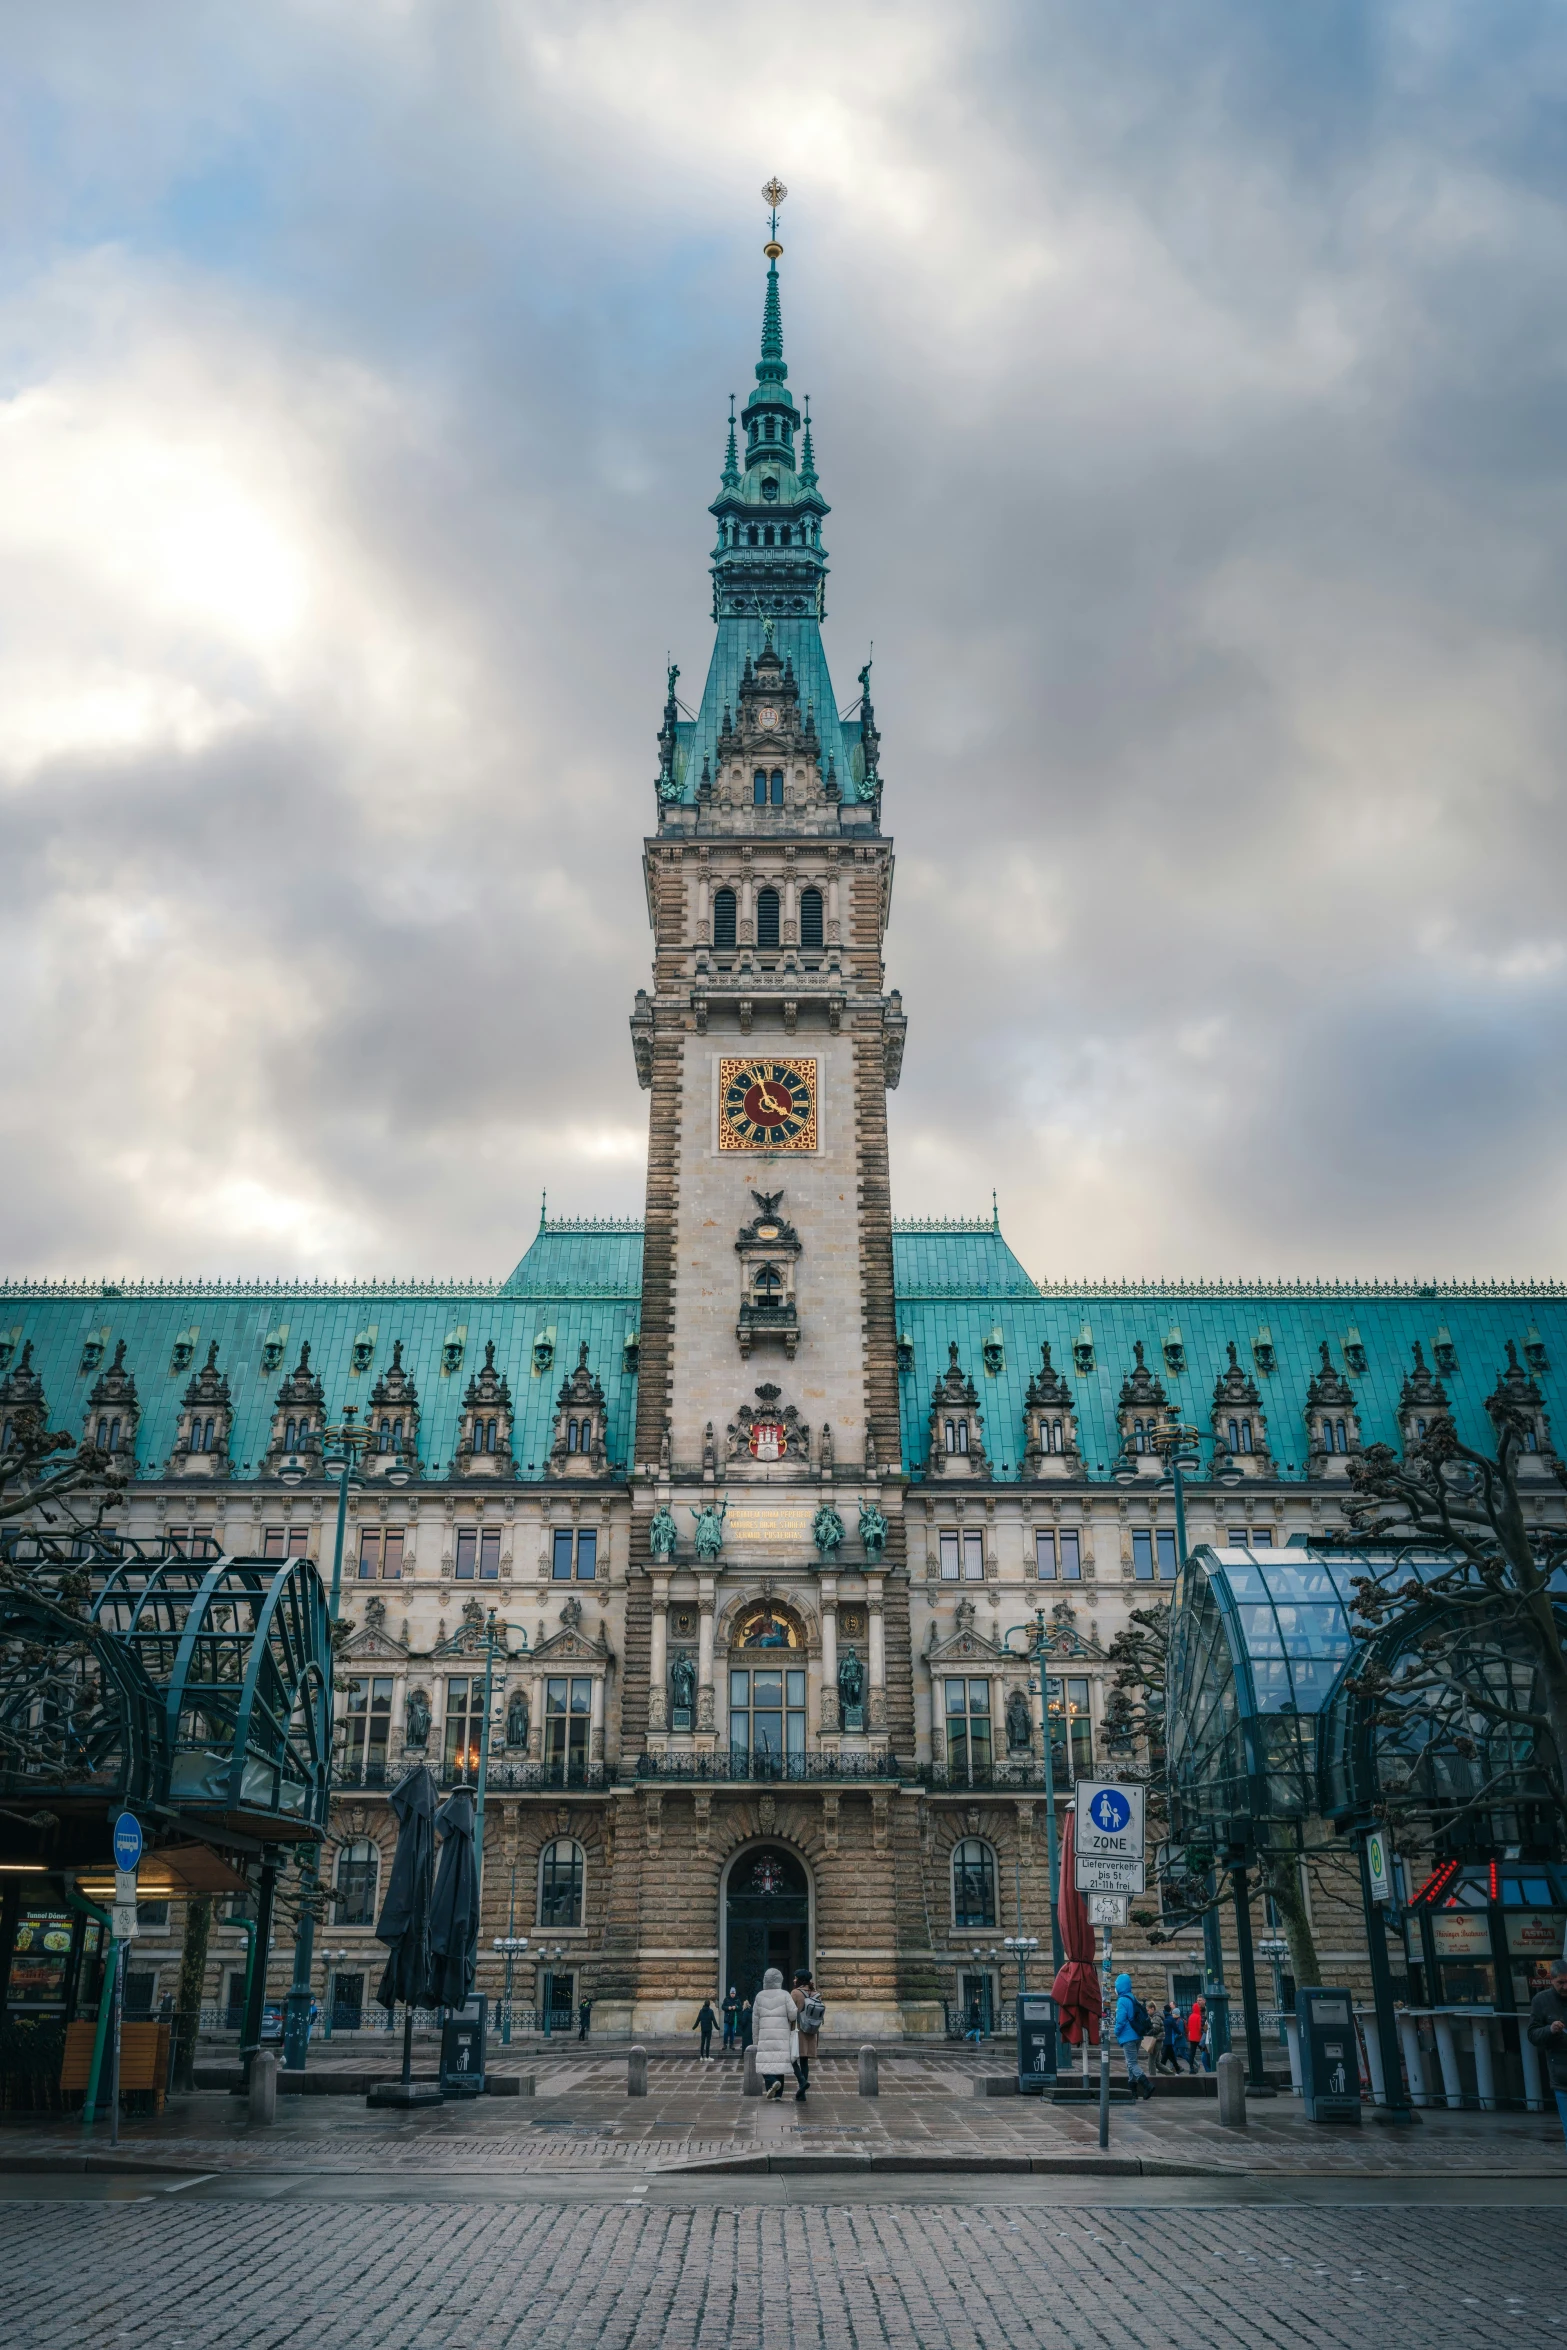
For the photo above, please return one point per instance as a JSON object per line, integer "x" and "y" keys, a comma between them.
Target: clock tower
{"x": 767, "y": 1449}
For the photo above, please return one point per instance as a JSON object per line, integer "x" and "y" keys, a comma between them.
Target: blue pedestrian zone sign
{"x": 127, "y": 1841}
{"x": 1110, "y": 1811}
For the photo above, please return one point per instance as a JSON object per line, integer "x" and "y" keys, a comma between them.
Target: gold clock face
{"x": 766, "y": 1105}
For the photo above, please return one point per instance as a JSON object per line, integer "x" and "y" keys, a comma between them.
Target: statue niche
{"x": 768, "y": 1251}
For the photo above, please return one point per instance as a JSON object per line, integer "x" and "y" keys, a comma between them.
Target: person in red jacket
{"x": 1196, "y": 2041}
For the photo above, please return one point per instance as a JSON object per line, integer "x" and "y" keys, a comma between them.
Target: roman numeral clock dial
{"x": 766, "y": 1105}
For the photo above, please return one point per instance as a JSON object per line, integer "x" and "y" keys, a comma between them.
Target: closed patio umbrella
{"x": 454, "y": 1908}
{"x": 404, "y": 1923}
{"x": 1076, "y": 1987}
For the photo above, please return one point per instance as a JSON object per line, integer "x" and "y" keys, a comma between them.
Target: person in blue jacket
{"x": 1129, "y": 2027}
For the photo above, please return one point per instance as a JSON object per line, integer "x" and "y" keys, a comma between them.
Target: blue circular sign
{"x": 1109, "y": 1811}
{"x": 127, "y": 1841}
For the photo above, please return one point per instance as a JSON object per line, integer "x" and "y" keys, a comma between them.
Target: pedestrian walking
{"x": 813, "y": 2014}
{"x": 1132, "y": 2025}
{"x": 731, "y": 2018}
{"x": 1548, "y": 2031}
{"x": 775, "y": 2018}
{"x": 584, "y": 2016}
{"x": 704, "y": 2024}
{"x": 1197, "y": 2037}
{"x": 1170, "y": 2040}
{"x": 745, "y": 2025}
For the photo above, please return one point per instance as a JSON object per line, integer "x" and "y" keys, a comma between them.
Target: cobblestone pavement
{"x": 581, "y": 2120}
{"x": 836, "y": 2277}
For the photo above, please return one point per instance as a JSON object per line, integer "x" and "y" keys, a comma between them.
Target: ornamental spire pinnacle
{"x": 770, "y": 367}
{"x": 731, "y": 475}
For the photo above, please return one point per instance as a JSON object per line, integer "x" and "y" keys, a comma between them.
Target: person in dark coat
{"x": 1169, "y": 2057}
{"x": 731, "y": 2017}
{"x": 1548, "y": 2032}
{"x": 745, "y": 2025}
{"x": 706, "y": 2020}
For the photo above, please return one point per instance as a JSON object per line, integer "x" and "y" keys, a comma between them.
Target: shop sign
{"x": 1462, "y": 1934}
{"x": 1535, "y": 1934}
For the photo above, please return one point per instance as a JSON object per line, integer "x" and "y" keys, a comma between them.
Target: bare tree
{"x": 1482, "y": 1676}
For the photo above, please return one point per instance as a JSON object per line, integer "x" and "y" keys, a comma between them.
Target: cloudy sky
{"x": 1191, "y": 393}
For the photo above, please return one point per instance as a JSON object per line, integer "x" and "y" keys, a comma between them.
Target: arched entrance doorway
{"x": 767, "y": 1917}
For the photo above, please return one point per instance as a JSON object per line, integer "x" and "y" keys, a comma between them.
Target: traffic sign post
{"x": 1379, "y": 1868}
{"x": 1107, "y": 1909}
{"x": 1110, "y": 1848}
{"x": 127, "y": 1842}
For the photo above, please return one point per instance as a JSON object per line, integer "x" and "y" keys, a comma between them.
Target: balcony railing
{"x": 1027, "y": 1773}
{"x": 502, "y": 1778}
{"x": 753, "y": 1764}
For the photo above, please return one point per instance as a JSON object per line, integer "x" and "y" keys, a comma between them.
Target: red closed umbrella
{"x": 1076, "y": 1987}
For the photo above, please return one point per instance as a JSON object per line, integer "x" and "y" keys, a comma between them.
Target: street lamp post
{"x": 1042, "y": 1646}
{"x": 1179, "y": 1445}
{"x": 344, "y": 1445}
{"x": 510, "y": 1947}
{"x": 1020, "y": 1945}
{"x": 329, "y": 1959}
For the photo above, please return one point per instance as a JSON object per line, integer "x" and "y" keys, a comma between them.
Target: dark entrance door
{"x": 767, "y": 1920}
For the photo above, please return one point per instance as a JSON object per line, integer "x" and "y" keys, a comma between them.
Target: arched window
{"x": 571, "y": 1436}
{"x": 963, "y": 1436}
{"x": 768, "y": 1284}
{"x": 767, "y": 917}
{"x": 1235, "y": 1436}
{"x": 489, "y": 1436}
{"x": 1245, "y": 1435}
{"x": 810, "y": 917}
{"x": 973, "y": 1883}
{"x": 777, "y": 787}
{"x": 1139, "y": 1436}
{"x": 759, "y": 788}
{"x": 1342, "y": 1445}
{"x": 1531, "y": 1442}
{"x": 1420, "y": 1427}
{"x": 560, "y": 1883}
{"x": 753, "y": 536}
{"x": 384, "y": 1441}
{"x": 1055, "y": 1436}
{"x": 767, "y": 536}
{"x": 114, "y": 1435}
{"x": 771, "y": 428}
{"x": 358, "y": 1870}
{"x": 206, "y": 1442}
{"x": 724, "y": 918}
{"x": 952, "y": 1436}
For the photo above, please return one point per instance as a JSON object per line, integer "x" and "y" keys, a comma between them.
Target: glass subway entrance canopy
{"x": 1264, "y": 1723}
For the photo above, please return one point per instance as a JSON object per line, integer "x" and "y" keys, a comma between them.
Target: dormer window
{"x": 767, "y": 917}
{"x": 724, "y": 918}
{"x": 770, "y": 486}
{"x": 810, "y": 917}
{"x": 957, "y": 1436}
{"x": 1240, "y": 1436}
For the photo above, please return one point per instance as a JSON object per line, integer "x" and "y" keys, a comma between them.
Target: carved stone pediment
{"x": 570, "y": 1646}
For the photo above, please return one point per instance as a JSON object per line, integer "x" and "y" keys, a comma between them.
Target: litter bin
{"x": 1036, "y": 2041}
{"x": 1329, "y": 2056}
{"x": 462, "y": 2051}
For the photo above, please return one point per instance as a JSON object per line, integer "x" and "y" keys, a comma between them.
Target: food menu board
{"x": 40, "y": 1959}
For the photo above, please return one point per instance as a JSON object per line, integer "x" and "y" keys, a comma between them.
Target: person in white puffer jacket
{"x": 773, "y": 2018}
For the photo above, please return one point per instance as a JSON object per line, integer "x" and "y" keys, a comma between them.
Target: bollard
{"x": 870, "y": 2079}
{"x": 1232, "y": 2092}
{"x": 636, "y": 2073}
{"x": 751, "y": 2086}
{"x": 263, "y": 2087}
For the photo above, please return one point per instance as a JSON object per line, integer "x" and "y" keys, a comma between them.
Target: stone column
{"x": 658, "y": 1669}
{"x": 536, "y": 1717}
{"x": 706, "y": 1710}
{"x": 596, "y": 1720}
{"x": 877, "y": 1716}
{"x": 830, "y": 1723}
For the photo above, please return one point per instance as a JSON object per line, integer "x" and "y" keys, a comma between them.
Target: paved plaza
{"x": 162, "y": 2275}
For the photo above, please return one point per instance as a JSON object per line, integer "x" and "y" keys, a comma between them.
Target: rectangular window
{"x": 467, "y": 1546}
{"x": 367, "y": 1729}
{"x": 950, "y": 1569}
{"x": 587, "y": 1555}
{"x": 489, "y": 1554}
{"x": 1251, "y": 1538}
{"x": 560, "y": 1566}
{"x": 464, "y": 1721}
{"x": 272, "y": 1542}
{"x": 1080, "y": 1726}
{"x": 1045, "y": 1556}
{"x": 1071, "y": 1555}
{"x": 392, "y": 1552}
{"x": 1167, "y": 1554}
{"x": 968, "y": 1732}
{"x": 568, "y": 1708}
{"x": 973, "y": 1558}
{"x": 152, "y": 1916}
{"x": 369, "y": 1555}
{"x": 1142, "y": 1556}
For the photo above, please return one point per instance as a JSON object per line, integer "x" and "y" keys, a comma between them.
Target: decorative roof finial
{"x": 772, "y": 196}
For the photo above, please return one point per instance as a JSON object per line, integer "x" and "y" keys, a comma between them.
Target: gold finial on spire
{"x": 772, "y": 196}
